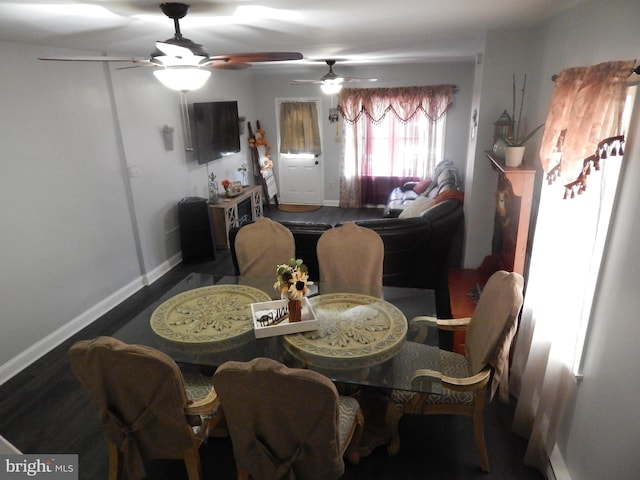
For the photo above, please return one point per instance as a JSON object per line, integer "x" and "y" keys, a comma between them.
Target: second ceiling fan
{"x": 331, "y": 82}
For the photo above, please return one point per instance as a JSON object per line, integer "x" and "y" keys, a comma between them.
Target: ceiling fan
{"x": 331, "y": 82}
{"x": 183, "y": 64}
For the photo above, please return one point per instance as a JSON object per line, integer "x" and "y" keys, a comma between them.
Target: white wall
{"x": 66, "y": 239}
{"x": 270, "y": 86}
{"x": 506, "y": 53}
{"x": 600, "y": 439}
{"x": 77, "y": 234}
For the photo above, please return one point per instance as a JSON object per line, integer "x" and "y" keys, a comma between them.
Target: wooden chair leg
{"x": 393, "y": 415}
{"x": 242, "y": 473}
{"x": 114, "y": 463}
{"x": 478, "y": 430}
{"x": 192, "y": 463}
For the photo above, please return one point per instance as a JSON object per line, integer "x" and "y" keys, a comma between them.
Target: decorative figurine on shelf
{"x": 243, "y": 171}
{"x": 214, "y": 194}
{"x": 292, "y": 281}
{"x": 231, "y": 189}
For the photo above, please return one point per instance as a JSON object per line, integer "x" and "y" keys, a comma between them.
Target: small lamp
{"x": 503, "y": 127}
{"x": 182, "y": 78}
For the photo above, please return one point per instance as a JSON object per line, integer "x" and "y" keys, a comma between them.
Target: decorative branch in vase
{"x": 516, "y": 143}
{"x": 214, "y": 194}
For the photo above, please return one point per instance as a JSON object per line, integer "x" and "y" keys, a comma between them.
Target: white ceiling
{"x": 352, "y": 31}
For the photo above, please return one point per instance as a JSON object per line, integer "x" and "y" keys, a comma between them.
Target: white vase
{"x": 513, "y": 156}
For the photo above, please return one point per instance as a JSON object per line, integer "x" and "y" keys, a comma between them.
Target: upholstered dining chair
{"x": 259, "y": 248}
{"x": 287, "y": 423}
{"x": 465, "y": 378}
{"x": 147, "y": 408}
{"x": 350, "y": 259}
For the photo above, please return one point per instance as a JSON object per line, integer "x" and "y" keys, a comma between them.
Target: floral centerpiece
{"x": 292, "y": 279}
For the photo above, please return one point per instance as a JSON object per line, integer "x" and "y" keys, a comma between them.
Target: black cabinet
{"x": 196, "y": 237}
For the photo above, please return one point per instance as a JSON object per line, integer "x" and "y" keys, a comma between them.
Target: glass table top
{"x": 360, "y": 340}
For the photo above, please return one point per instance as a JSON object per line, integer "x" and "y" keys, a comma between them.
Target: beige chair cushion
{"x": 348, "y": 408}
{"x": 284, "y": 423}
{"x": 492, "y": 327}
{"x": 350, "y": 258}
{"x": 453, "y": 365}
{"x": 140, "y": 397}
{"x": 261, "y": 246}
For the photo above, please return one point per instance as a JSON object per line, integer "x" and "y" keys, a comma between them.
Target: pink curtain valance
{"x": 405, "y": 102}
{"x": 586, "y": 107}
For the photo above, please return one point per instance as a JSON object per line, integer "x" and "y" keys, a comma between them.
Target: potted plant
{"x": 515, "y": 145}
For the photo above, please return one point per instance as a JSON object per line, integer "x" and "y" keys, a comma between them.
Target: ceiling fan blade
{"x": 353, "y": 79}
{"x": 254, "y": 57}
{"x": 344, "y": 80}
{"x": 306, "y": 82}
{"x": 230, "y": 65}
{"x": 94, "y": 59}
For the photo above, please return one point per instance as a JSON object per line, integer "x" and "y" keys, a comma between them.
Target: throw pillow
{"x": 416, "y": 208}
{"x": 449, "y": 194}
{"x": 421, "y": 186}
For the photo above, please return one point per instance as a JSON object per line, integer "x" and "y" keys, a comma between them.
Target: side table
{"x": 229, "y": 212}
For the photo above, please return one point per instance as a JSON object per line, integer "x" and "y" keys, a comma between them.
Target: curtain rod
{"x": 635, "y": 70}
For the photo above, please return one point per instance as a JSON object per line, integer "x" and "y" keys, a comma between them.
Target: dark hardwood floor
{"x": 44, "y": 410}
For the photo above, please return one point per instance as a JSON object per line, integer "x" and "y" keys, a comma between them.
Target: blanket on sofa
{"x": 445, "y": 178}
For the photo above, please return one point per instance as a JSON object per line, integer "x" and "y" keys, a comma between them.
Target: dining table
{"x": 362, "y": 343}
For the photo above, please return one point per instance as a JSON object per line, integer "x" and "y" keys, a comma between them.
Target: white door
{"x": 300, "y": 177}
{"x": 300, "y": 180}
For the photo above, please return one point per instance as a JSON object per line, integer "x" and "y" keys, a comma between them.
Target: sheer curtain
{"x": 582, "y": 140}
{"x": 299, "y": 130}
{"x": 390, "y": 132}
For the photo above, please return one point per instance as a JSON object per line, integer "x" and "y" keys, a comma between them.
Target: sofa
{"x": 418, "y": 250}
{"x": 414, "y": 198}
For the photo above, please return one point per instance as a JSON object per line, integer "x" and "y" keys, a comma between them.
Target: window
{"x": 391, "y": 135}
{"x": 396, "y": 148}
{"x": 299, "y": 130}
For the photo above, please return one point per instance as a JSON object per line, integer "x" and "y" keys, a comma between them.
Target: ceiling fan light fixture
{"x": 183, "y": 79}
{"x": 331, "y": 88}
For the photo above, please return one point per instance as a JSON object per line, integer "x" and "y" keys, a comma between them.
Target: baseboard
{"x": 6, "y": 448}
{"x": 331, "y": 203}
{"x": 557, "y": 468}
{"x": 51, "y": 341}
{"x": 161, "y": 269}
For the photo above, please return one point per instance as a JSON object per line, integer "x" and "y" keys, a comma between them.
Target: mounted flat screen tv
{"x": 217, "y": 130}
